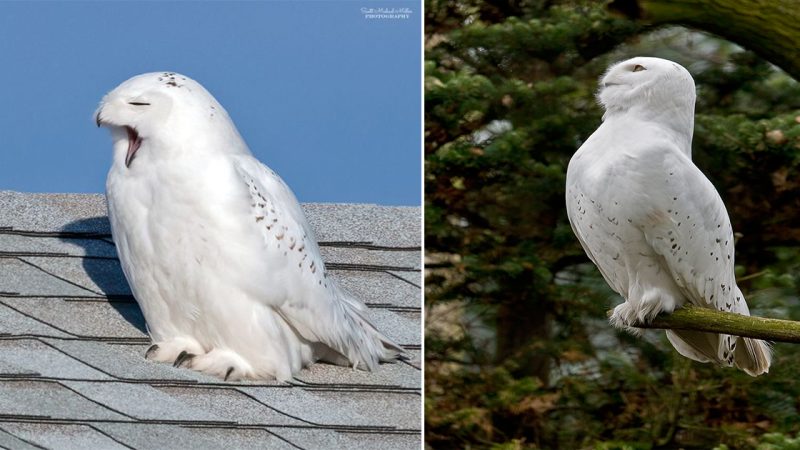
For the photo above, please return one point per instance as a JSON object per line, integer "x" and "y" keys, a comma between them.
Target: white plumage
{"x": 215, "y": 247}
{"x": 649, "y": 219}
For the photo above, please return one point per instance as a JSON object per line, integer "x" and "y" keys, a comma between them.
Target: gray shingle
{"x": 409, "y": 277}
{"x": 52, "y": 400}
{"x": 230, "y": 404}
{"x": 72, "y": 343}
{"x": 16, "y": 323}
{"x": 406, "y": 259}
{"x": 398, "y": 374}
{"x": 24, "y": 278}
{"x": 366, "y": 223}
{"x": 84, "y": 318}
{"x": 387, "y": 409}
{"x": 124, "y": 362}
{"x": 36, "y": 356}
{"x": 351, "y": 441}
{"x": 61, "y": 436}
{"x": 307, "y": 406}
{"x": 381, "y": 288}
{"x": 142, "y": 402}
{"x": 398, "y": 326}
{"x": 369, "y": 441}
{"x": 94, "y": 276}
{"x": 159, "y": 437}
{"x": 313, "y": 438}
{"x": 53, "y": 246}
{"x": 54, "y": 212}
{"x": 10, "y": 441}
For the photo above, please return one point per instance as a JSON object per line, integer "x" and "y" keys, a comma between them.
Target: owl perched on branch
{"x": 649, "y": 219}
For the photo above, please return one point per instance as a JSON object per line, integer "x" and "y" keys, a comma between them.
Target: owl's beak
{"x": 134, "y": 142}
{"x": 97, "y": 118}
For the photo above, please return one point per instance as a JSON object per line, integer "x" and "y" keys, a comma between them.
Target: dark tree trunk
{"x": 522, "y": 330}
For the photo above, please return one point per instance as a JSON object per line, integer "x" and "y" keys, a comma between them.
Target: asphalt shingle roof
{"x": 72, "y": 343}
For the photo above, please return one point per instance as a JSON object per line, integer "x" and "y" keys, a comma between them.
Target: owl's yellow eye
{"x": 638, "y": 68}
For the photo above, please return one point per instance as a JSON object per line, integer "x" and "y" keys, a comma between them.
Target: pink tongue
{"x": 133, "y": 144}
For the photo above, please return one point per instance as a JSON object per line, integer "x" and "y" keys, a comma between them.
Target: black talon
{"x": 179, "y": 358}
{"x": 227, "y": 374}
{"x": 183, "y": 357}
{"x": 153, "y": 348}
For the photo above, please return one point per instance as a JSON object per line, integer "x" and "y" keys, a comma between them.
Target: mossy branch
{"x": 769, "y": 28}
{"x": 704, "y": 319}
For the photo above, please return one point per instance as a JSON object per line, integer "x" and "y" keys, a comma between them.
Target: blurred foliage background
{"x": 518, "y": 351}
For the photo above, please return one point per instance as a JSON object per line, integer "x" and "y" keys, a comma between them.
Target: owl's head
{"x": 165, "y": 108}
{"x": 650, "y": 85}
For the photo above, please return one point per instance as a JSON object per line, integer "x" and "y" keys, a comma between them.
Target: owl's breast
{"x": 179, "y": 236}
{"x": 607, "y": 202}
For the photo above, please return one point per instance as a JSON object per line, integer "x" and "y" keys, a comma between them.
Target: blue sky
{"x": 327, "y": 98}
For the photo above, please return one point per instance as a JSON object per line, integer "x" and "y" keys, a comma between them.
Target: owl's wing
{"x": 278, "y": 214}
{"x": 311, "y": 302}
{"x": 689, "y": 227}
{"x": 594, "y": 231}
{"x": 608, "y": 264}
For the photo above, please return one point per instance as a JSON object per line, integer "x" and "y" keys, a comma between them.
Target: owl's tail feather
{"x": 367, "y": 346}
{"x": 754, "y": 357}
{"x": 340, "y": 333}
{"x": 751, "y": 355}
{"x": 696, "y": 345}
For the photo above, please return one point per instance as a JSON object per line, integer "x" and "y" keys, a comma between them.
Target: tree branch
{"x": 710, "y": 320}
{"x": 766, "y": 27}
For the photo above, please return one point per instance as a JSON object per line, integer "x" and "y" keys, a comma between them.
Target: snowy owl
{"x": 216, "y": 248}
{"x": 649, "y": 219}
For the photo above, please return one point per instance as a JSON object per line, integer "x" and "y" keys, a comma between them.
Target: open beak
{"x": 134, "y": 142}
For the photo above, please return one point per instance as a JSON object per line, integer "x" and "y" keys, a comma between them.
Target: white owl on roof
{"x": 216, "y": 248}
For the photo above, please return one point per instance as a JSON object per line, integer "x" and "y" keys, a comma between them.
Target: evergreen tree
{"x": 518, "y": 351}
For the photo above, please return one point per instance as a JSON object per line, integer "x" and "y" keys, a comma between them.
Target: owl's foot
{"x": 178, "y": 351}
{"x": 652, "y": 303}
{"x": 223, "y": 364}
{"x": 624, "y": 317}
